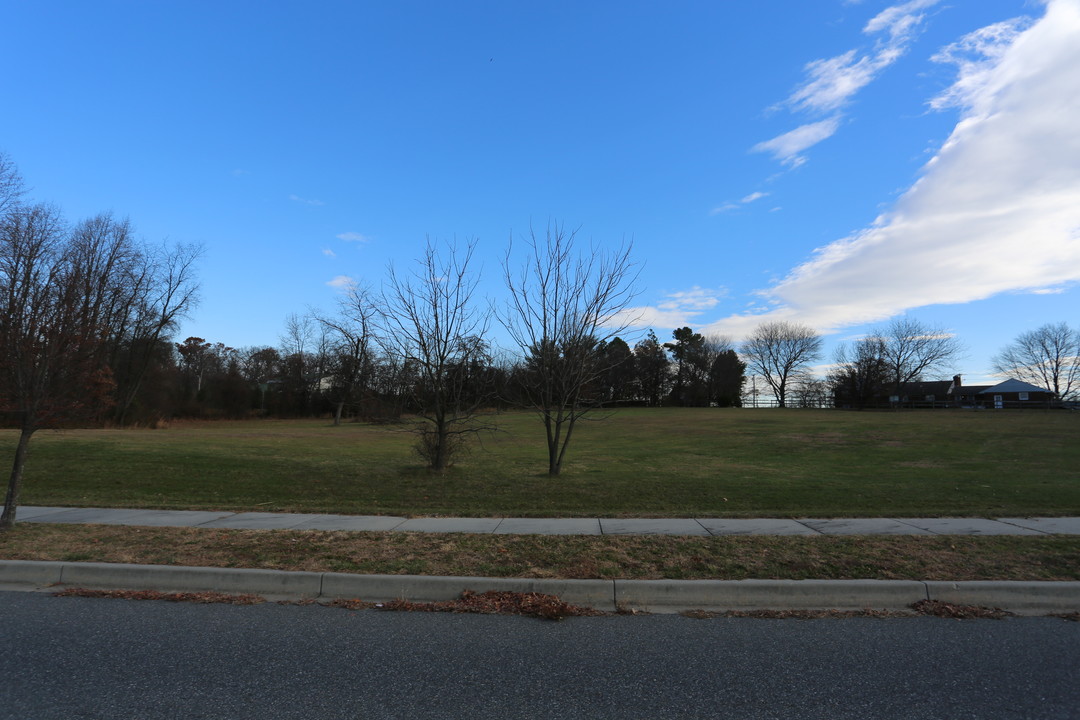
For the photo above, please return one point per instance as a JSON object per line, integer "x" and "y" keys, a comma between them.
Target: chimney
{"x": 956, "y": 381}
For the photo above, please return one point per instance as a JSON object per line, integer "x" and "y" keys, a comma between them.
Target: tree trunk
{"x": 11, "y": 500}
{"x": 337, "y": 412}
{"x": 565, "y": 444}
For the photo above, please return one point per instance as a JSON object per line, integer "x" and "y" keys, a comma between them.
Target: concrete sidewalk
{"x": 555, "y": 526}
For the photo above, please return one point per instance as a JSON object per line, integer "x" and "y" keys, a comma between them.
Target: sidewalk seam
{"x": 901, "y": 521}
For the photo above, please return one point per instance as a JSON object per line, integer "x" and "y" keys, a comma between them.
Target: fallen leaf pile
{"x": 937, "y": 608}
{"x": 549, "y": 607}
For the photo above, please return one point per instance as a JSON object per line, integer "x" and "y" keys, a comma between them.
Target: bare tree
{"x": 1048, "y": 356}
{"x": 433, "y": 327}
{"x": 140, "y": 294}
{"x": 911, "y": 350}
{"x": 52, "y": 342}
{"x": 563, "y": 308}
{"x": 165, "y": 289}
{"x": 299, "y": 374}
{"x": 777, "y": 351}
{"x": 351, "y": 333}
{"x": 859, "y": 375}
{"x": 11, "y": 184}
{"x": 70, "y": 300}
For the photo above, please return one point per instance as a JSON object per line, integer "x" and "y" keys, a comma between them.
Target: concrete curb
{"x": 648, "y": 595}
{"x": 770, "y": 594}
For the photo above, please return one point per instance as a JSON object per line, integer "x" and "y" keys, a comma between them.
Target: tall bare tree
{"x": 52, "y": 344}
{"x": 69, "y": 298}
{"x": 778, "y": 351}
{"x": 433, "y": 327}
{"x": 860, "y": 374}
{"x": 563, "y": 308}
{"x": 1048, "y": 356}
{"x": 351, "y": 333}
{"x": 11, "y": 184}
{"x": 912, "y": 349}
{"x": 138, "y": 293}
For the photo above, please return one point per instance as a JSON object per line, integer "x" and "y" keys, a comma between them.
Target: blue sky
{"x": 835, "y": 163}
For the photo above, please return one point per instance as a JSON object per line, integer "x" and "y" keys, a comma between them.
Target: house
{"x": 967, "y": 395}
{"x": 924, "y": 394}
{"x": 1015, "y": 393}
{"x": 1010, "y": 393}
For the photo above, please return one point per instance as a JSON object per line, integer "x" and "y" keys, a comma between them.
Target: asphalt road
{"x": 87, "y": 658}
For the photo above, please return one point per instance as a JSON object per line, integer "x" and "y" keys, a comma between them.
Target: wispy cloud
{"x": 831, "y": 83}
{"x": 305, "y": 201}
{"x": 787, "y": 148}
{"x": 329, "y": 253}
{"x": 746, "y": 200}
{"x": 353, "y": 237}
{"x": 341, "y": 282}
{"x": 997, "y": 209}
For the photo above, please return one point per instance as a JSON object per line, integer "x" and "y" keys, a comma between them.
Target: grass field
{"x": 639, "y": 462}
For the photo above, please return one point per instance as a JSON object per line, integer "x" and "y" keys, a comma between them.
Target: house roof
{"x": 937, "y": 388}
{"x": 1011, "y": 386}
{"x": 969, "y": 389}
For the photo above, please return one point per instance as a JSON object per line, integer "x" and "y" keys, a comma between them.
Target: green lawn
{"x": 638, "y": 462}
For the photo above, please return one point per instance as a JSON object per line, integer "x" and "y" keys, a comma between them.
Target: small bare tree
{"x": 778, "y": 351}
{"x": 1048, "y": 356}
{"x": 432, "y": 326}
{"x": 563, "y": 307}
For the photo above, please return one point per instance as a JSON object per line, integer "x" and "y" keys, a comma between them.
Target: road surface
{"x": 93, "y": 658}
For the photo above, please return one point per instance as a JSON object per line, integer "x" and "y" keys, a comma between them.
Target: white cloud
{"x": 341, "y": 282}
{"x": 305, "y": 201}
{"x": 329, "y": 253}
{"x": 678, "y": 309}
{"x": 353, "y": 237}
{"x": 754, "y": 196}
{"x": 787, "y": 147}
{"x": 997, "y": 209}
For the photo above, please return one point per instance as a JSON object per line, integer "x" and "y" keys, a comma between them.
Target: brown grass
{"x": 535, "y": 556}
